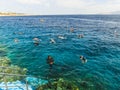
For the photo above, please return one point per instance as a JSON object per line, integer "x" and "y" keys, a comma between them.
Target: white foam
{"x": 18, "y": 85}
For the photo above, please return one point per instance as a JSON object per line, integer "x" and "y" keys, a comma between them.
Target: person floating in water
{"x": 50, "y": 61}
{"x": 72, "y": 29}
{"x": 115, "y": 33}
{"x": 36, "y": 41}
{"x": 61, "y": 37}
{"x": 42, "y": 20}
{"x": 16, "y": 40}
{"x": 52, "y": 40}
{"x": 84, "y": 60}
{"x": 80, "y": 36}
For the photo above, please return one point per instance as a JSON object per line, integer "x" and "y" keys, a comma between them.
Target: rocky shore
{"x": 11, "y": 14}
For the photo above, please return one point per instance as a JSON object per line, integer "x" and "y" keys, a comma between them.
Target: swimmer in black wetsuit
{"x": 83, "y": 59}
{"x": 50, "y": 61}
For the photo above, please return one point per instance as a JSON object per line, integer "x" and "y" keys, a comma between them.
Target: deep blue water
{"x": 100, "y": 46}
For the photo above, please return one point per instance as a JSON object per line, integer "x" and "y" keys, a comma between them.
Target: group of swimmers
{"x": 36, "y": 40}
{"x": 50, "y": 60}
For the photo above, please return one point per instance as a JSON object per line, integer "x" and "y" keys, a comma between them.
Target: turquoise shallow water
{"x": 100, "y": 45}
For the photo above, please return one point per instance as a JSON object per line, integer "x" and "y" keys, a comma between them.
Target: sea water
{"x": 100, "y": 46}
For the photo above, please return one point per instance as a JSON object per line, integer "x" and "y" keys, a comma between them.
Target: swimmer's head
{"x": 49, "y": 57}
{"x": 81, "y": 56}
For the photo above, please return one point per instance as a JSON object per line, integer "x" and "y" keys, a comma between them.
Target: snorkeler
{"x": 72, "y": 29}
{"x": 20, "y": 33}
{"x": 80, "y": 36}
{"x": 115, "y": 33}
{"x": 16, "y": 40}
{"x": 50, "y": 61}
{"x": 36, "y": 41}
{"x": 52, "y": 40}
{"x": 84, "y": 60}
{"x": 61, "y": 37}
{"x": 42, "y": 20}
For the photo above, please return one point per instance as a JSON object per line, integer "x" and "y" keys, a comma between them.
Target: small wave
{"x": 91, "y": 20}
